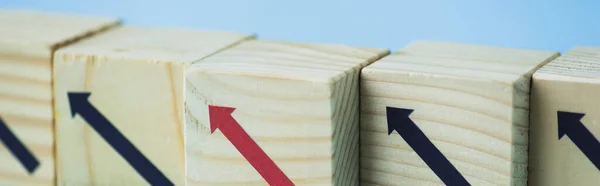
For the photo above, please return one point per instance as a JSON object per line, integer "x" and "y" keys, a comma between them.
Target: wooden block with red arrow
{"x": 277, "y": 113}
{"x": 565, "y": 115}
{"x": 439, "y": 113}
{"x": 119, "y": 100}
{"x": 27, "y": 41}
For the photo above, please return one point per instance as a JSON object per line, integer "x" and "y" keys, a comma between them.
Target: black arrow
{"x": 398, "y": 120}
{"x": 569, "y": 123}
{"x": 17, "y": 148}
{"x": 80, "y": 105}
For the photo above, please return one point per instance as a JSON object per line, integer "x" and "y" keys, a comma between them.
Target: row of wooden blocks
{"x": 89, "y": 101}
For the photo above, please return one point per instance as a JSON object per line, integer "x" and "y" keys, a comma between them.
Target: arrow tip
{"x": 395, "y": 117}
{"x": 218, "y": 114}
{"x": 76, "y": 99}
{"x": 565, "y": 119}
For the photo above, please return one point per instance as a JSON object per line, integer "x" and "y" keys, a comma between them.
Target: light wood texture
{"x": 298, "y": 101}
{"x": 27, "y": 41}
{"x": 471, "y": 101}
{"x": 571, "y": 83}
{"x": 135, "y": 76}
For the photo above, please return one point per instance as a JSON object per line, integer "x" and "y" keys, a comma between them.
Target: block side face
{"x": 559, "y": 161}
{"x": 345, "y": 121}
{"x": 287, "y": 60}
{"x": 26, "y": 109}
{"x": 22, "y": 31}
{"x": 521, "y": 113}
{"x": 144, "y": 101}
{"x": 469, "y": 120}
{"x": 290, "y": 120}
{"x": 158, "y": 44}
{"x": 520, "y": 131}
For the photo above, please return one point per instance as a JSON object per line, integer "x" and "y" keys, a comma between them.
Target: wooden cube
{"x": 270, "y": 112}
{"x": 565, "y": 111}
{"x": 119, "y": 101}
{"x": 27, "y": 42}
{"x": 460, "y": 112}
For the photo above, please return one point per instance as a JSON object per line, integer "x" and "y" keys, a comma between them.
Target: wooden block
{"x": 295, "y": 116}
{"x": 135, "y": 79}
{"x": 459, "y": 112}
{"x": 564, "y": 131}
{"x": 27, "y": 41}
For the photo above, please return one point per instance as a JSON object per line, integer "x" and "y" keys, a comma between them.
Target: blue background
{"x": 535, "y": 24}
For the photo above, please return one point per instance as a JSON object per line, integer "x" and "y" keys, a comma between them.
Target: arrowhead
{"x": 78, "y": 101}
{"x": 396, "y": 116}
{"x": 218, "y": 114}
{"x": 565, "y": 120}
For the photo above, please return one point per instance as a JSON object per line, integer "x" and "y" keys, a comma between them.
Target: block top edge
{"x": 23, "y": 29}
{"x": 464, "y": 60}
{"x": 577, "y": 64}
{"x": 290, "y": 60}
{"x": 156, "y": 44}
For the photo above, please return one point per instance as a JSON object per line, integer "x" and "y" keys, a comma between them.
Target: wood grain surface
{"x": 135, "y": 77}
{"x": 27, "y": 41}
{"x": 471, "y": 101}
{"x": 298, "y": 101}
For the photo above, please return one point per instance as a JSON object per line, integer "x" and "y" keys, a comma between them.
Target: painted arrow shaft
{"x": 419, "y": 142}
{"x": 16, "y": 147}
{"x": 253, "y": 153}
{"x": 125, "y": 148}
{"x": 585, "y": 141}
{"x": 442, "y": 167}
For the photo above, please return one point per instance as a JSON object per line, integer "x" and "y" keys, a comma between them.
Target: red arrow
{"x": 220, "y": 117}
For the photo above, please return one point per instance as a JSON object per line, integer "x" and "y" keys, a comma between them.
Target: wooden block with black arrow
{"x": 28, "y": 40}
{"x": 119, "y": 103}
{"x": 565, "y": 116}
{"x": 440, "y": 113}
